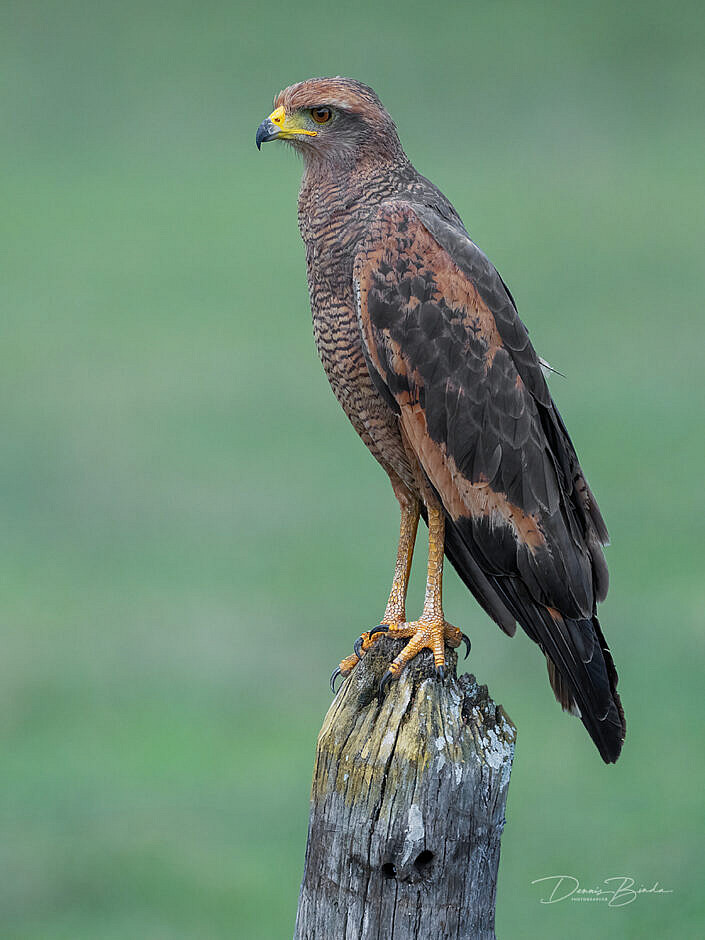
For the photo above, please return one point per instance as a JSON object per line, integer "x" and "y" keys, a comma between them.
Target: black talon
{"x": 357, "y": 646}
{"x": 382, "y": 628}
{"x": 336, "y": 673}
{"x": 440, "y": 673}
{"x": 384, "y": 682}
{"x": 466, "y": 641}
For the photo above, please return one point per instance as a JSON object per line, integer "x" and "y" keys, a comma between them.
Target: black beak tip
{"x": 264, "y": 133}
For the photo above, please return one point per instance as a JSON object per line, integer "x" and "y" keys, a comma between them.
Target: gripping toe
{"x": 384, "y": 682}
{"x": 382, "y": 628}
{"x": 336, "y": 672}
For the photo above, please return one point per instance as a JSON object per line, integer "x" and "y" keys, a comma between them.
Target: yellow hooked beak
{"x": 279, "y": 125}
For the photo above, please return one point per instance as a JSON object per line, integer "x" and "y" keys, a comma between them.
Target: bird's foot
{"x": 422, "y": 634}
{"x": 426, "y": 633}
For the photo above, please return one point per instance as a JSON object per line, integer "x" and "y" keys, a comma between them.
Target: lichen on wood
{"x": 407, "y": 807}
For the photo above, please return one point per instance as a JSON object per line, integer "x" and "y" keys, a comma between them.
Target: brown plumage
{"x": 425, "y": 351}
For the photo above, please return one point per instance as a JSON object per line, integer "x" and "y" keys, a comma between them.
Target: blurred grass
{"x": 192, "y": 536}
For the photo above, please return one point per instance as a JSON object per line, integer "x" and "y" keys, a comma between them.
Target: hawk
{"x": 424, "y": 349}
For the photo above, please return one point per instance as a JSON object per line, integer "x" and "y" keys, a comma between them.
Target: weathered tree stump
{"x": 407, "y": 807}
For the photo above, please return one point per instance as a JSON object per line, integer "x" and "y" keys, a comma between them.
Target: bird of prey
{"x": 424, "y": 349}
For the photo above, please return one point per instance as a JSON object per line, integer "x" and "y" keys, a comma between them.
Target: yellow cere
{"x": 287, "y": 125}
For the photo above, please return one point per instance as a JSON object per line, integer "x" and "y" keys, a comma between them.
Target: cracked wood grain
{"x": 407, "y": 807}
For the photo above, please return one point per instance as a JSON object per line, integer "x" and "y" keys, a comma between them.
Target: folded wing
{"x": 447, "y": 349}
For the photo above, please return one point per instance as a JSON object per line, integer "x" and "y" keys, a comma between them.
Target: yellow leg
{"x": 395, "y": 611}
{"x": 430, "y": 631}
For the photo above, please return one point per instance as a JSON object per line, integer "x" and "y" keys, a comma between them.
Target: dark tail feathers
{"x": 580, "y": 665}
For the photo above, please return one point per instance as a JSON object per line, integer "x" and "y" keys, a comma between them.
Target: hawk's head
{"x": 332, "y": 119}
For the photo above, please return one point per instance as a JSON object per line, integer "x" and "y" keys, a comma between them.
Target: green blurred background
{"x": 192, "y": 534}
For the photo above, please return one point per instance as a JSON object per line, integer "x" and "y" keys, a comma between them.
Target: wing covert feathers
{"x": 447, "y": 349}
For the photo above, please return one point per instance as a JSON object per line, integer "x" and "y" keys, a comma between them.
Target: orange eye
{"x": 321, "y": 115}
